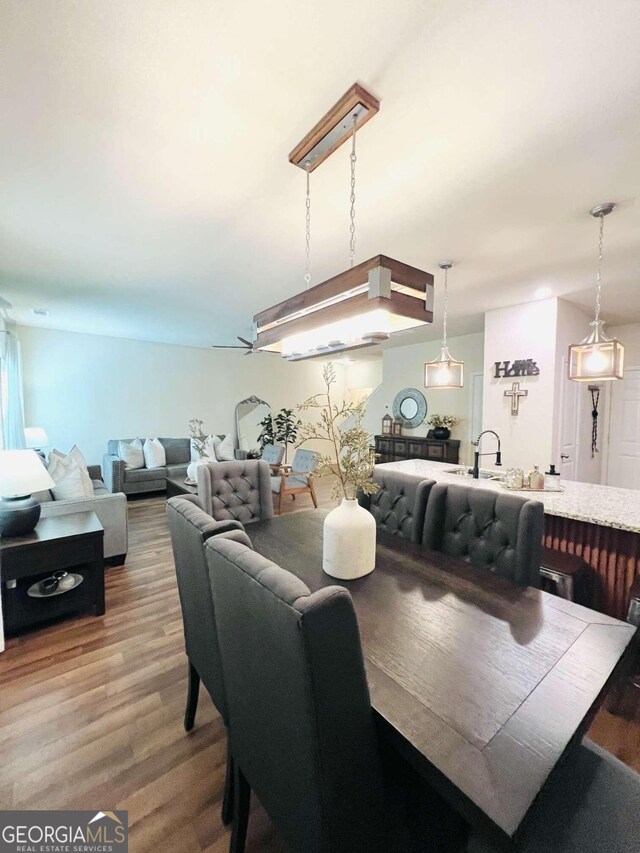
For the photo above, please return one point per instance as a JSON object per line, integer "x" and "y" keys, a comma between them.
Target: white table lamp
{"x": 21, "y": 474}
{"x": 36, "y": 438}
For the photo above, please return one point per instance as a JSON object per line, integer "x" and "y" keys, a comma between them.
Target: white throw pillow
{"x": 225, "y": 451}
{"x": 131, "y": 454}
{"x": 70, "y": 475}
{"x": 210, "y": 448}
{"x": 75, "y": 453}
{"x": 154, "y": 454}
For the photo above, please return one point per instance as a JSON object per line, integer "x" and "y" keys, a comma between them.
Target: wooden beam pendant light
{"x": 366, "y": 303}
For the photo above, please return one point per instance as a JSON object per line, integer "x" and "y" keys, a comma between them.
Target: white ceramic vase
{"x": 349, "y": 541}
{"x": 192, "y": 469}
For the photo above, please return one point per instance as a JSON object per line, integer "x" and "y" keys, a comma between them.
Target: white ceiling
{"x": 146, "y": 190}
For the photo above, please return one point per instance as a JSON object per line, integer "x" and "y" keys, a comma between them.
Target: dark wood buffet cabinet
{"x": 392, "y": 448}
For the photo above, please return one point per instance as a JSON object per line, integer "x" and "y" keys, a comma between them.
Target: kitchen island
{"x": 599, "y": 523}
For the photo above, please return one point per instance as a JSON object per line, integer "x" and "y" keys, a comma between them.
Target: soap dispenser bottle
{"x": 552, "y": 479}
{"x": 536, "y": 480}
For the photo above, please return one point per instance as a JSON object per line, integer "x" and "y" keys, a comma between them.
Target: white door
{"x": 624, "y": 432}
{"x": 570, "y": 415}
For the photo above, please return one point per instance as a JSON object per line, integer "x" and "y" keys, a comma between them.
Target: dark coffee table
{"x": 176, "y": 487}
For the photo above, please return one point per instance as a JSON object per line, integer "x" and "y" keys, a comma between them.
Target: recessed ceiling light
{"x": 542, "y": 293}
{"x": 41, "y": 312}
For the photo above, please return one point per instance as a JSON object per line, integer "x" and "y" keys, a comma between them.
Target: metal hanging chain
{"x": 307, "y": 250}
{"x": 352, "y": 212}
{"x": 444, "y": 320}
{"x": 599, "y": 275}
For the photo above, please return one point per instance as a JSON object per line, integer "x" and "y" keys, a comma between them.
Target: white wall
{"x": 519, "y": 332}
{"x": 86, "y": 389}
{"x": 542, "y": 331}
{"x": 403, "y": 367}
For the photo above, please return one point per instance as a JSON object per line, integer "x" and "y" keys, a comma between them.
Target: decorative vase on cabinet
{"x": 442, "y": 433}
{"x": 349, "y": 541}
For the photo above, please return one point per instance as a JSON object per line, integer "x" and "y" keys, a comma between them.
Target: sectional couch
{"x": 133, "y": 481}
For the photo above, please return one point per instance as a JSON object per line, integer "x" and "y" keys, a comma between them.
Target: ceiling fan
{"x": 246, "y": 345}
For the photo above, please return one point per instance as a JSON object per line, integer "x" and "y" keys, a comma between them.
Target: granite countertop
{"x": 608, "y": 506}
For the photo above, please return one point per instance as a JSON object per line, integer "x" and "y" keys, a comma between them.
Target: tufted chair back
{"x": 239, "y": 490}
{"x": 273, "y": 453}
{"x": 490, "y": 530}
{"x": 399, "y": 504}
{"x": 190, "y": 528}
{"x": 304, "y": 462}
{"x": 301, "y": 726}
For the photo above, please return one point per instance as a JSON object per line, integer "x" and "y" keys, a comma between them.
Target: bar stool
{"x": 563, "y": 570}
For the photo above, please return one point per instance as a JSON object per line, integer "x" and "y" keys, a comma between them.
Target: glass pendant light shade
{"x": 444, "y": 371}
{"x": 596, "y": 357}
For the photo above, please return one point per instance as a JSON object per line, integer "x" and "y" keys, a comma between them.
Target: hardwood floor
{"x": 91, "y": 710}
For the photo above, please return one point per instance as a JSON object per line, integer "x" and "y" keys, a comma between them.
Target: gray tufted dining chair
{"x": 399, "y": 504}
{"x": 498, "y": 532}
{"x": 237, "y": 490}
{"x": 190, "y": 528}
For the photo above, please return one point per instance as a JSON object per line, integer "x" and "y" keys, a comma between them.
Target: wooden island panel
{"x": 613, "y": 554}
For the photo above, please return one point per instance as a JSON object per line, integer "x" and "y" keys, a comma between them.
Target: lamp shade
{"x": 36, "y": 437}
{"x": 444, "y": 372}
{"x": 597, "y": 357}
{"x": 22, "y": 473}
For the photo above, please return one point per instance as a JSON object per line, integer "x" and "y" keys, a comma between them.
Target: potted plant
{"x": 442, "y": 425}
{"x": 286, "y": 428}
{"x": 281, "y": 429}
{"x": 349, "y": 534}
{"x": 266, "y": 436}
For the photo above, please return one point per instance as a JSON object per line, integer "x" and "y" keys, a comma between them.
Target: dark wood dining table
{"x": 485, "y": 686}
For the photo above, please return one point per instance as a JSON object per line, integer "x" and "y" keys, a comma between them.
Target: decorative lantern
{"x": 444, "y": 371}
{"x": 397, "y": 428}
{"x": 387, "y": 421}
{"x": 597, "y": 356}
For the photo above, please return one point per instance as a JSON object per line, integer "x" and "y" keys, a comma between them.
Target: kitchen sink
{"x": 468, "y": 472}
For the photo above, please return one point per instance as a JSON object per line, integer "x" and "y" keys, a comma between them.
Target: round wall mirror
{"x": 410, "y": 408}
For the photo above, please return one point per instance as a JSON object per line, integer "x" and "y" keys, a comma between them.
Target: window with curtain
{"x": 11, "y": 405}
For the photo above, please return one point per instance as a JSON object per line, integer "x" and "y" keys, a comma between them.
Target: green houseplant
{"x": 281, "y": 429}
{"x": 349, "y": 537}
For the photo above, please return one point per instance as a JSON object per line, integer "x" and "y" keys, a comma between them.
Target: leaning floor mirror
{"x": 249, "y": 416}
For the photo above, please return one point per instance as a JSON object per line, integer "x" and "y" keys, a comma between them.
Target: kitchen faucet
{"x": 477, "y": 454}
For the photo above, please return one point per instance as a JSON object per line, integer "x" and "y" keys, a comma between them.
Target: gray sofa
{"x": 111, "y": 510}
{"x": 133, "y": 481}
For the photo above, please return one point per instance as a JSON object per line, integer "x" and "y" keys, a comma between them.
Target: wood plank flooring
{"x": 91, "y": 710}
